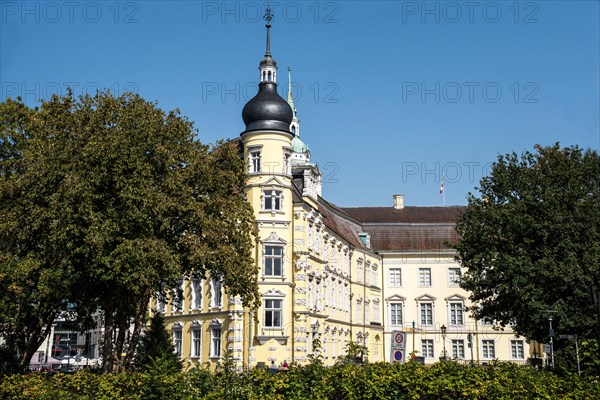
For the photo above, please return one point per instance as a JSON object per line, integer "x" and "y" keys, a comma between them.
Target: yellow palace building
{"x": 330, "y": 273}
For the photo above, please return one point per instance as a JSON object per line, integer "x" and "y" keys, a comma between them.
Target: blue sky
{"x": 391, "y": 95}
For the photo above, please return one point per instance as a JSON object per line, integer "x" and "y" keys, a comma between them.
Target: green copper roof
{"x": 298, "y": 146}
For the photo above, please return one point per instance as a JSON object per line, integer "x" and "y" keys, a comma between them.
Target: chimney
{"x": 398, "y": 201}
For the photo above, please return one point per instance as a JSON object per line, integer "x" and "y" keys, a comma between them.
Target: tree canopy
{"x": 530, "y": 242}
{"x": 106, "y": 201}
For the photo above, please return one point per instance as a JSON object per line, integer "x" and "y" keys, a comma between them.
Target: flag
{"x": 442, "y": 186}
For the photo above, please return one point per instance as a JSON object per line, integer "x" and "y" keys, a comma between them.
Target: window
{"x": 359, "y": 272}
{"x": 216, "y": 292}
{"x": 376, "y": 311}
{"x": 273, "y": 261}
{"x": 310, "y": 302}
{"x": 427, "y": 348}
{"x": 177, "y": 341}
{"x": 456, "y": 314}
{"x": 516, "y": 349}
{"x": 359, "y": 311}
{"x": 396, "y": 313}
{"x": 488, "y": 349}
{"x": 333, "y": 294}
{"x": 160, "y": 303}
{"x": 458, "y": 348}
{"x": 215, "y": 342}
{"x": 196, "y": 294}
{"x": 395, "y": 277}
{"x": 177, "y": 297}
{"x": 368, "y": 275}
{"x": 272, "y": 200}
{"x": 424, "y": 276}
{"x": 254, "y": 160}
{"x": 426, "y": 313}
{"x": 287, "y": 156}
{"x": 375, "y": 280}
{"x": 272, "y": 313}
{"x": 367, "y": 312}
{"x": 196, "y": 335}
{"x": 453, "y": 277}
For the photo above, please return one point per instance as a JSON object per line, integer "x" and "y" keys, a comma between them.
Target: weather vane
{"x": 268, "y": 15}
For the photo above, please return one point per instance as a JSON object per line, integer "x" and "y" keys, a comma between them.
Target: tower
{"x": 268, "y": 149}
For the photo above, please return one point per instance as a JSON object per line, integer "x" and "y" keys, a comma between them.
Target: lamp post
{"x": 443, "y": 329}
{"x": 551, "y": 334}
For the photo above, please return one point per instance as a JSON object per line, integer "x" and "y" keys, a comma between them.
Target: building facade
{"x": 329, "y": 275}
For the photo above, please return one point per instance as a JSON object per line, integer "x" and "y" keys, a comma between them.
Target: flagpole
{"x": 443, "y": 192}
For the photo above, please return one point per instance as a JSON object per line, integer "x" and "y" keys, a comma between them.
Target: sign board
{"x": 547, "y": 349}
{"x": 398, "y": 355}
{"x": 570, "y": 337}
{"x": 398, "y": 339}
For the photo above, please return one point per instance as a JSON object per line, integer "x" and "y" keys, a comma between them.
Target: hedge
{"x": 345, "y": 381}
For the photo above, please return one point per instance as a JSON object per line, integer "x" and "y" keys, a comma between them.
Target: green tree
{"x": 156, "y": 348}
{"x": 530, "y": 242}
{"x": 106, "y": 201}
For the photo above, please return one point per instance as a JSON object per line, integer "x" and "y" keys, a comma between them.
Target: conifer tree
{"x": 156, "y": 348}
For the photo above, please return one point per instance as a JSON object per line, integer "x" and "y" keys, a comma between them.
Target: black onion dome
{"x": 267, "y": 110}
{"x": 268, "y": 61}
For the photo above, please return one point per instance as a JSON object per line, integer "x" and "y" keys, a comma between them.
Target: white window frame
{"x": 517, "y": 350}
{"x": 427, "y": 348}
{"x": 196, "y": 341}
{"x": 488, "y": 349}
{"x": 359, "y": 271}
{"x": 272, "y": 257}
{"x": 426, "y": 316}
{"x": 160, "y": 303}
{"x": 376, "y": 311}
{"x": 458, "y": 348}
{"x": 177, "y": 299}
{"x": 178, "y": 340}
{"x": 216, "y": 341}
{"x": 393, "y": 316}
{"x": 275, "y": 197}
{"x": 454, "y": 276}
{"x": 457, "y": 313}
{"x": 395, "y": 277}
{"x": 254, "y": 160}
{"x": 196, "y": 286}
{"x": 375, "y": 278}
{"x": 274, "y": 308}
{"x": 216, "y": 292}
{"x": 287, "y": 161}
{"x": 425, "y": 277}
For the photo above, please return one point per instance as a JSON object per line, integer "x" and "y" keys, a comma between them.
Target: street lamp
{"x": 443, "y": 329}
{"x": 551, "y": 334}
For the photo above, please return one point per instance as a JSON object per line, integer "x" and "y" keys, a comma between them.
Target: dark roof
{"x": 267, "y": 110}
{"x": 411, "y": 237}
{"x": 408, "y": 228}
{"x": 418, "y": 215}
{"x": 341, "y": 223}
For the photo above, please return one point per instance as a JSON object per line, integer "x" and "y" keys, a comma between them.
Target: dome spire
{"x": 267, "y": 111}
{"x": 268, "y": 66}
{"x": 295, "y": 125}
{"x": 268, "y": 17}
